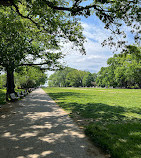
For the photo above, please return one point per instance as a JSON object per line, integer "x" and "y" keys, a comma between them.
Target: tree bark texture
{"x": 10, "y": 82}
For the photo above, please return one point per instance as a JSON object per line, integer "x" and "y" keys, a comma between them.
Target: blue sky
{"x": 96, "y": 55}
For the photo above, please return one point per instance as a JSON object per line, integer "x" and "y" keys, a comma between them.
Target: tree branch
{"x": 17, "y": 10}
{"x": 51, "y": 5}
{"x": 49, "y": 68}
{"x": 73, "y": 10}
{"x": 27, "y": 17}
{"x": 32, "y": 64}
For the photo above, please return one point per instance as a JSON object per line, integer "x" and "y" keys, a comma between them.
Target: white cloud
{"x": 96, "y": 56}
{"x": 95, "y": 32}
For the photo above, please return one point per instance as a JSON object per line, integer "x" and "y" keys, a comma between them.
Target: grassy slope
{"x": 113, "y": 116}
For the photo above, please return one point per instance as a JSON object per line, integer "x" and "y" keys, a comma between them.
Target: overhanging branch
{"x": 27, "y": 17}
{"x": 17, "y": 10}
{"x": 74, "y": 10}
{"x": 32, "y": 64}
{"x": 45, "y": 63}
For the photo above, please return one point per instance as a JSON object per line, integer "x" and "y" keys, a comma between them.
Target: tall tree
{"x": 128, "y": 71}
{"x": 124, "y": 69}
{"x": 87, "y": 79}
{"x": 58, "y": 79}
{"x": 18, "y": 48}
{"x": 22, "y": 43}
{"x": 75, "y": 78}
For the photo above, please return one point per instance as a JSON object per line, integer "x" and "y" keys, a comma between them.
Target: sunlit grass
{"x": 112, "y": 116}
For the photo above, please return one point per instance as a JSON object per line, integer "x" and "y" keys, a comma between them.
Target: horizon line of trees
{"x": 123, "y": 70}
{"x": 70, "y": 77}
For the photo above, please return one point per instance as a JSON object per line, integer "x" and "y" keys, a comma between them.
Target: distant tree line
{"x": 70, "y": 77}
{"x": 26, "y": 77}
{"x": 123, "y": 70}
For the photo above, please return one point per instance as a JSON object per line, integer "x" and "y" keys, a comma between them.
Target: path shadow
{"x": 38, "y": 128}
{"x": 105, "y": 123}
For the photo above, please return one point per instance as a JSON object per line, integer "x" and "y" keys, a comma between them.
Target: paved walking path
{"x": 38, "y": 128}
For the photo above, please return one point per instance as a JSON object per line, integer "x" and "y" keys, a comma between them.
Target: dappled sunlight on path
{"x": 38, "y": 128}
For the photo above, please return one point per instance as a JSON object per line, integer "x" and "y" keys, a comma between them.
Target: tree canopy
{"x": 29, "y": 77}
{"x": 22, "y": 43}
{"x": 21, "y": 39}
{"x": 46, "y": 14}
{"x": 124, "y": 70}
{"x": 71, "y": 77}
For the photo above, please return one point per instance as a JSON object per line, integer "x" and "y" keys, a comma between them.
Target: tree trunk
{"x": 10, "y": 82}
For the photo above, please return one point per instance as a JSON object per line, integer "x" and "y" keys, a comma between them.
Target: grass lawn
{"x": 2, "y": 96}
{"x": 111, "y": 117}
